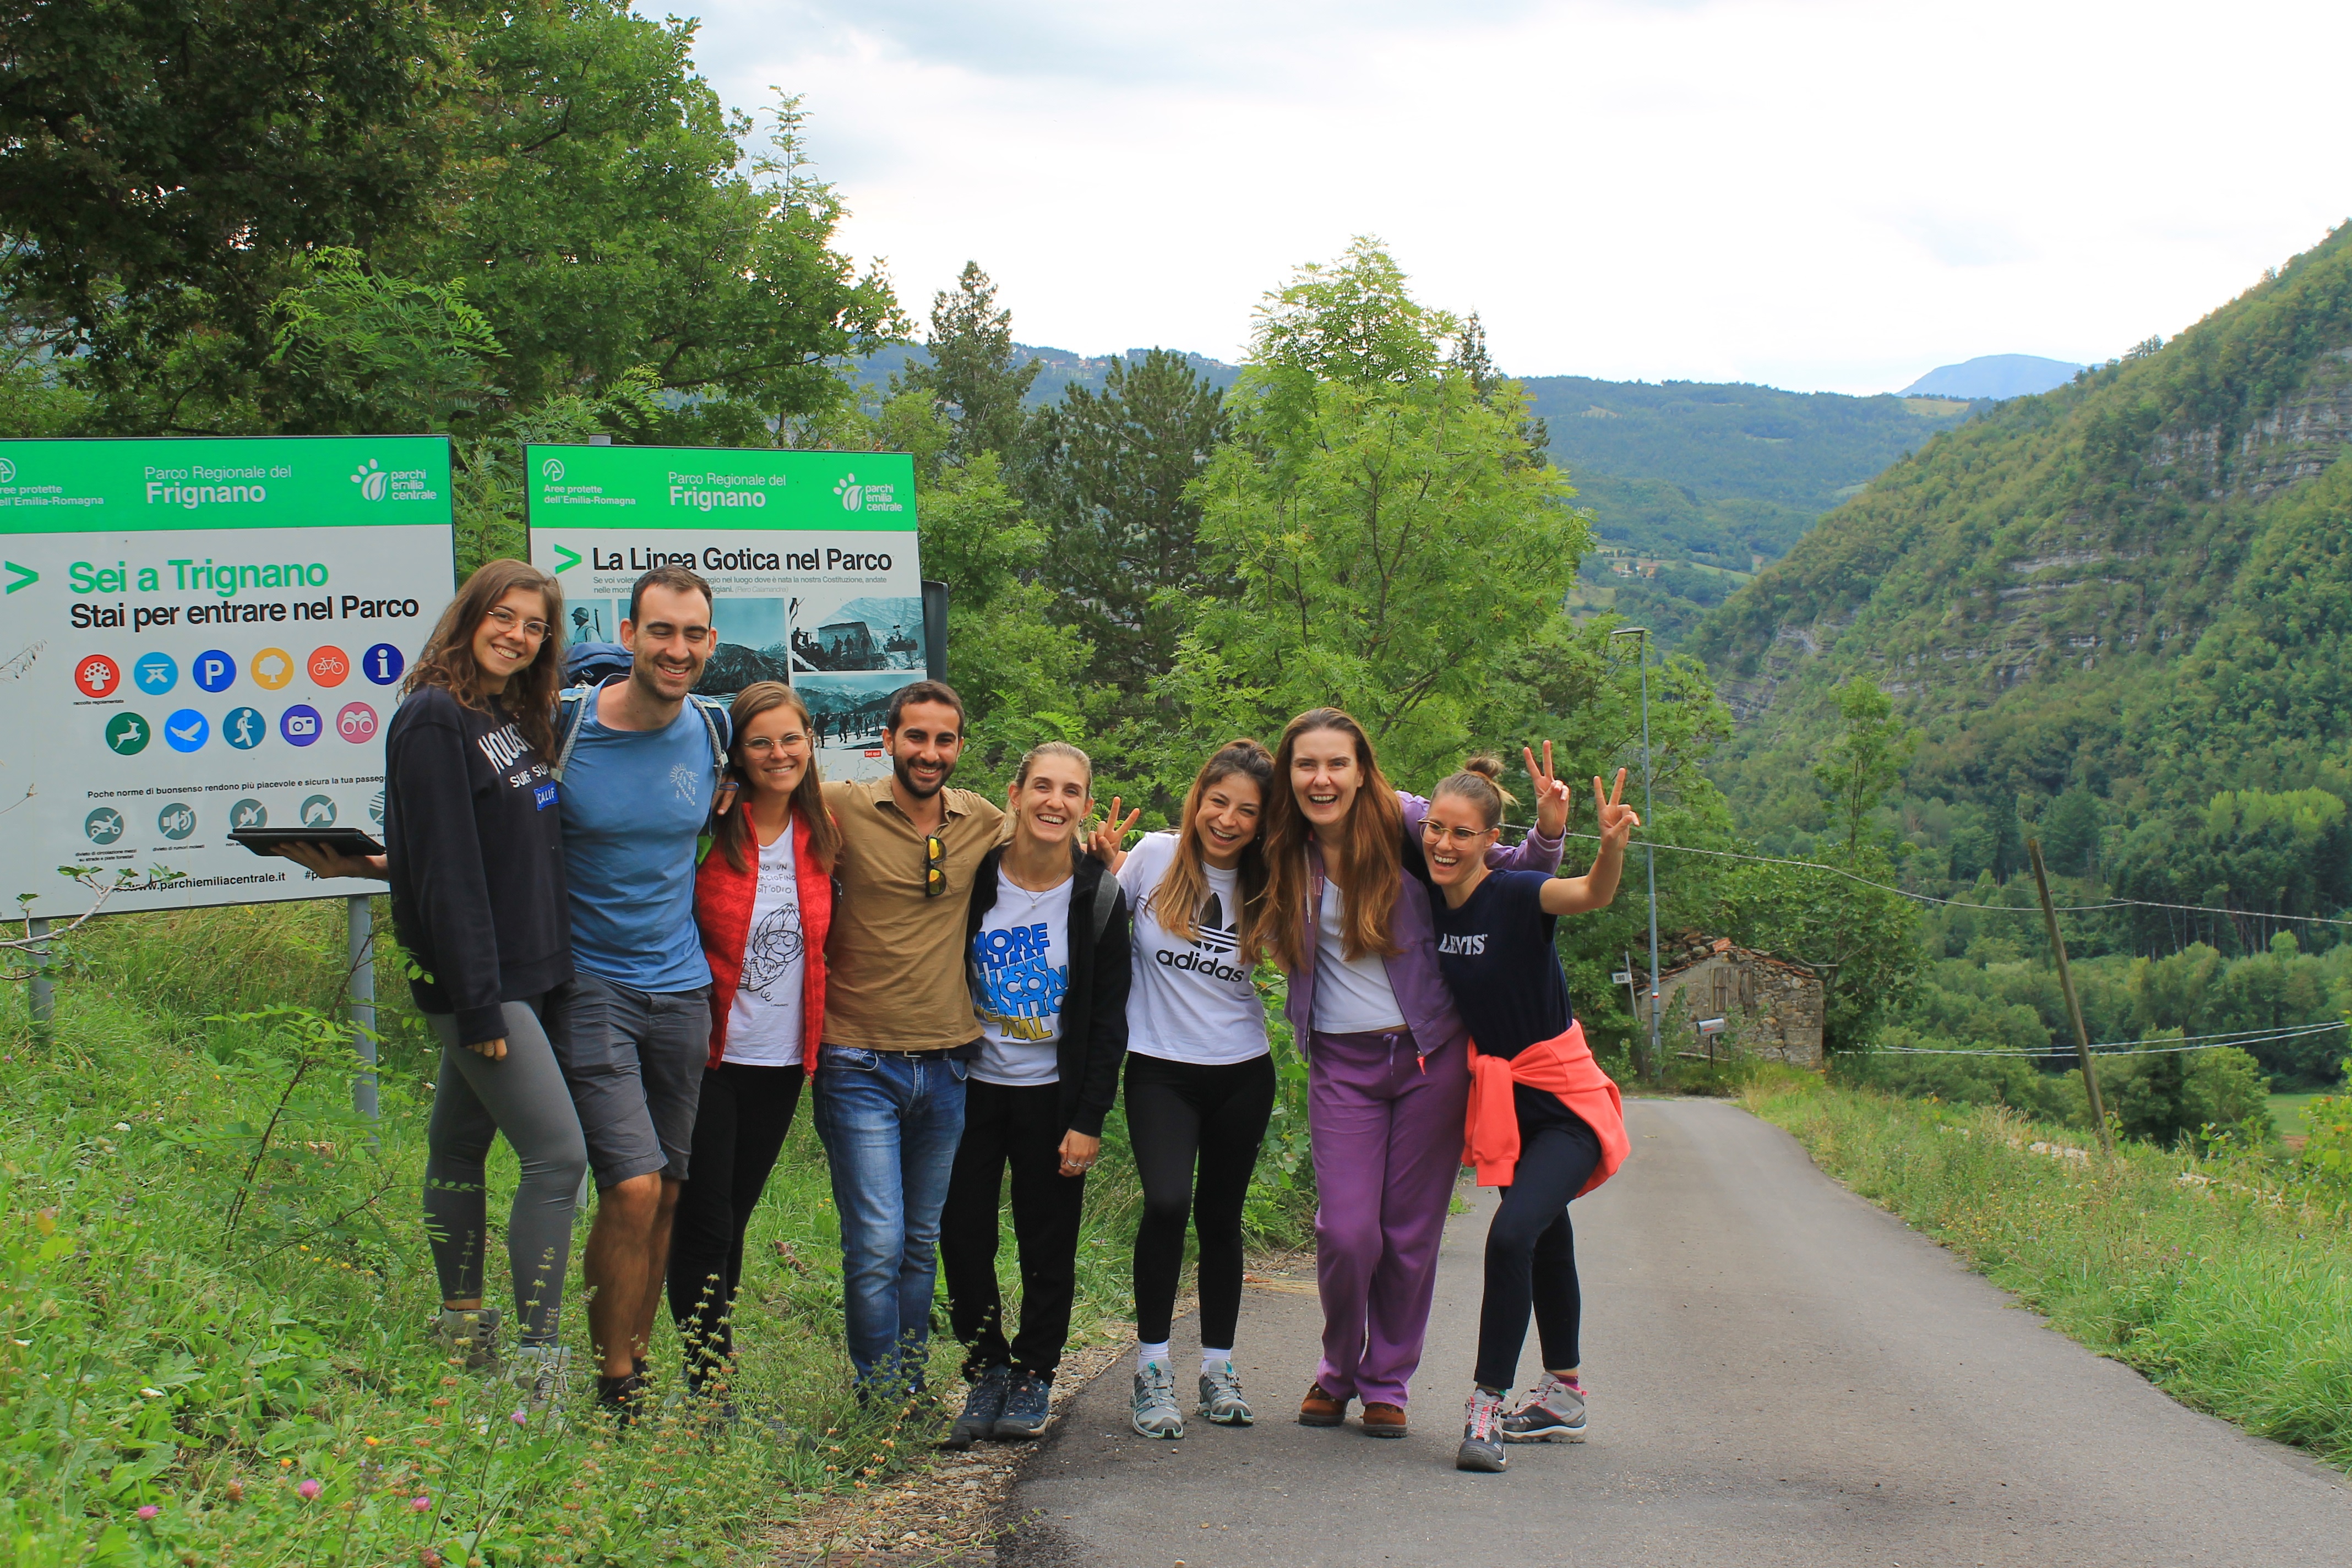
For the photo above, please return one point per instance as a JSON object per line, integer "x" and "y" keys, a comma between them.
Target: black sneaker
{"x": 620, "y": 1397}
{"x": 982, "y": 1408}
{"x": 1025, "y": 1407}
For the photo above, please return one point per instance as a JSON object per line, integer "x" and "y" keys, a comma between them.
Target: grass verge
{"x": 214, "y": 1286}
{"x": 2225, "y": 1279}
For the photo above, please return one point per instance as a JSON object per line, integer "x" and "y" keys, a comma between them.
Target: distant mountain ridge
{"x": 1705, "y": 476}
{"x": 1997, "y": 376}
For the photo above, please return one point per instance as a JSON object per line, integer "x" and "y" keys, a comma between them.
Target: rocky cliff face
{"x": 2026, "y": 556}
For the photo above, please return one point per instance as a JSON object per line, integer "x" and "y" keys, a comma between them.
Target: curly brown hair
{"x": 447, "y": 659}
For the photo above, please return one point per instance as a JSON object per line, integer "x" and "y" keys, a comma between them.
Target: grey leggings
{"x": 522, "y": 1096}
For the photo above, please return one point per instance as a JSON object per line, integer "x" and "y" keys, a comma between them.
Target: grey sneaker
{"x": 1155, "y": 1414}
{"x": 982, "y": 1407}
{"x": 1482, "y": 1445}
{"x": 539, "y": 1373}
{"x": 1551, "y": 1412}
{"x": 469, "y": 1338}
{"x": 1027, "y": 1405}
{"x": 1221, "y": 1396}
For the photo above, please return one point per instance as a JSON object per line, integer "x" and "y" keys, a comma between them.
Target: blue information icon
{"x": 186, "y": 730}
{"x": 244, "y": 728}
{"x": 213, "y": 671}
{"x": 299, "y": 724}
{"x": 383, "y": 664}
{"x": 156, "y": 673}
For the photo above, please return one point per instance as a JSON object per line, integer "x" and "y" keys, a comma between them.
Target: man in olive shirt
{"x": 888, "y": 1085}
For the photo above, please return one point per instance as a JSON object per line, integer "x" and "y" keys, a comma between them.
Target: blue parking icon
{"x": 156, "y": 673}
{"x": 244, "y": 728}
{"x": 213, "y": 671}
{"x": 186, "y": 730}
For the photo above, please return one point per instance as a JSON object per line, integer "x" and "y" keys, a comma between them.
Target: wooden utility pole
{"x": 2074, "y": 1008}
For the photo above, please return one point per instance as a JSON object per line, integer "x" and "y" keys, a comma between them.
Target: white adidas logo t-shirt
{"x": 1189, "y": 1001}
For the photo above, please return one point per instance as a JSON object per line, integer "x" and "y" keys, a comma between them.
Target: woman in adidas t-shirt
{"x": 763, "y": 902}
{"x": 1200, "y": 1076}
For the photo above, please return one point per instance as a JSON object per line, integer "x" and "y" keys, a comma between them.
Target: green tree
{"x": 1866, "y": 759}
{"x": 164, "y": 163}
{"x": 1109, "y": 480}
{"x": 972, "y": 375}
{"x": 1391, "y": 536}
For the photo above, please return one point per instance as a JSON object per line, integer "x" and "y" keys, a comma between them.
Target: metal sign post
{"x": 360, "y": 926}
{"x": 40, "y": 992}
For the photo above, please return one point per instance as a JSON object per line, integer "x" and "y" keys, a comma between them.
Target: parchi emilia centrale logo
{"x": 554, "y": 471}
{"x": 371, "y": 480}
{"x": 851, "y": 493}
{"x": 8, "y": 470}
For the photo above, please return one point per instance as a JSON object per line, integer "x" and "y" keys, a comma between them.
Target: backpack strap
{"x": 1106, "y": 902}
{"x": 572, "y": 714}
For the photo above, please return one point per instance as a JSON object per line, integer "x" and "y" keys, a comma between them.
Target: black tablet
{"x": 343, "y": 840}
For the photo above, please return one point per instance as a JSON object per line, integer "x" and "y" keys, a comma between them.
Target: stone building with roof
{"x": 1772, "y": 1005}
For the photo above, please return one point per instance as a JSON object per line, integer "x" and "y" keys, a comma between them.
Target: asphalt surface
{"x": 1780, "y": 1373}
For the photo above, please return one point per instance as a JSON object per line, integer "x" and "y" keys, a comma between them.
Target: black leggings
{"x": 739, "y": 1129}
{"x": 1531, "y": 1253}
{"x": 1180, "y": 1114}
{"x": 1019, "y": 1127}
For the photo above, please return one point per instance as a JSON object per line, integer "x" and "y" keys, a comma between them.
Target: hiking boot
{"x": 982, "y": 1406}
{"x": 1155, "y": 1414}
{"x": 1482, "y": 1434}
{"x": 1553, "y": 1412}
{"x": 1382, "y": 1420}
{"x": 1027, "y": 1405}
{"x": 1221, "y": 1396}
{"x": 540, "y": 1373}
{"x": 1321, "y": 1409}
{"x": 621, "y": 1397}
{"x": 468, "y": 1337}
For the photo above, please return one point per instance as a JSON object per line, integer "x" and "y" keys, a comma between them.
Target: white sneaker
{"x": 1221, "y": 1396}
{"x": 540, "y": 1373}
{"x": 468, "y": 1337}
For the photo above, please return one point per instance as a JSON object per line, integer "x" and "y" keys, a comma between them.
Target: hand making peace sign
{"x": 1617, "y": 820}
{"x": 1551, "y": 794}
{"x": 1108, "y": 842}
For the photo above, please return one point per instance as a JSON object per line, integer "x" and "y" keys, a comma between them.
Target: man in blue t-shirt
{"x": 633, "y": 1029}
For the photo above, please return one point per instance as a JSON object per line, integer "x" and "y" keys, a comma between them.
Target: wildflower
{"x": 149, "y": 1511}
{"x": 519, "y": 1419}
{"x": 419, "y": 1504}
{"x": 235, "y": 1490}
{"x": 309, "y": 1488}
{"x": 368, "y": 1441}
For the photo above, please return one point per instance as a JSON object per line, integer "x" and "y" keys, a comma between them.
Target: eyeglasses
{"x": 762, "y": 745}
{"x": 1463, "y": 836}
{"x": 935, "y": 872}
{"x": 508, "y": 620}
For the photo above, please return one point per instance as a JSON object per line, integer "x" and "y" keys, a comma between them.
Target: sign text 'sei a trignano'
{"x": 204, "y": 634}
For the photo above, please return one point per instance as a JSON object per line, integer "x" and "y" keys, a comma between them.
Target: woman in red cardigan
{"x": 763, "y": 900}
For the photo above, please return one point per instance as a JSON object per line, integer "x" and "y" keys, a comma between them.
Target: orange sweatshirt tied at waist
{"x": 1561, "y": 1066}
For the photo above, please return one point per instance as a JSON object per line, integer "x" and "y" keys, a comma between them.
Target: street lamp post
{"x": 1654, "y": 1069}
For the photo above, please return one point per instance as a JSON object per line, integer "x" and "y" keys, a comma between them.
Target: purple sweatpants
{"x": 1387, "y": 1130}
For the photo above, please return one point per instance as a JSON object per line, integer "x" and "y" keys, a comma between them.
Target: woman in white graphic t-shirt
{"x": 1200, "y": 1076}
{"x": 762, "y": 901}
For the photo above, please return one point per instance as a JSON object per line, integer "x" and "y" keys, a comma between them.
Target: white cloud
{"x": 1835, "y": 193}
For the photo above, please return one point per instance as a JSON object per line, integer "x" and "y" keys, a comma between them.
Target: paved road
{"x": 1780, "y": 1373}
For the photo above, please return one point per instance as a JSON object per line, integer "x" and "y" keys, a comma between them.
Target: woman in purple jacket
{"x": 1348, "y": 917}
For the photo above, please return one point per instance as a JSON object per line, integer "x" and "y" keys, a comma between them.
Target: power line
{"x": 2125, "y": 1047}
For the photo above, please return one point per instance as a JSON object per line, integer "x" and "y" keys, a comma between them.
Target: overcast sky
{"x": 1820, "y": 195}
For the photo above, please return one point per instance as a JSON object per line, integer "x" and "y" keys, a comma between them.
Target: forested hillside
{"x": 2119, "y": 613}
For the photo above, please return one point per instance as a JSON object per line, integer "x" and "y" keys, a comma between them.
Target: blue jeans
{"x": 890, "y": 1123}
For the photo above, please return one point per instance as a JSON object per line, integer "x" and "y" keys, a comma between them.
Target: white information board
{"x": 811, "y": 557}
{"x": 202, "y": 634}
